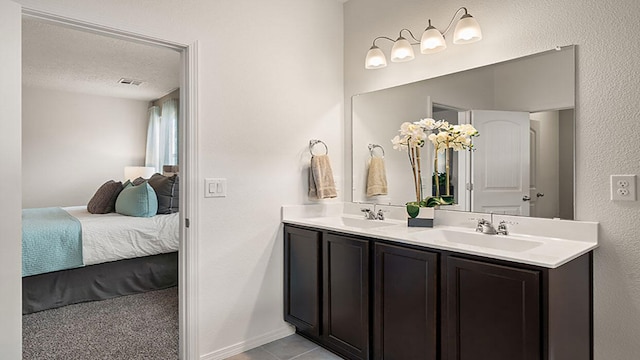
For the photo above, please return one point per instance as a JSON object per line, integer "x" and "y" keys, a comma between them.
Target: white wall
{"x": 546, "y": 173}
{"x": 270, "y": 79}
{"x": 536, "y": 83}
{"x": 10, "y": 216}
{"x": 565, "y": 174}
{"x": 72, "y": 143}
{"x": 607, "y": 125}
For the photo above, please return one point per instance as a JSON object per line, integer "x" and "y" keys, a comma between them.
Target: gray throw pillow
{"x": 166, "y": 188}
{"x": 137, "y": 181}
{"x": 104, "y": 200}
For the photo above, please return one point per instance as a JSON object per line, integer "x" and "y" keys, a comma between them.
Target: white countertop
{"x": 546, "y": 249}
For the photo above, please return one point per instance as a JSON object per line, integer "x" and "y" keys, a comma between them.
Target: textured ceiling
{"x": 67, "y": 59}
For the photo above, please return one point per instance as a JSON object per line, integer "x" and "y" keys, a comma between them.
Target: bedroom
{"x": 82, "y": 127}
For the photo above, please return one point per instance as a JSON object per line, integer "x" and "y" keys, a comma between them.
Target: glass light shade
{"x": 402, "y": 51}
{"x": 375, "y": 59}
{"x": 432, "y": 41}
{"x": 467, "y": 30}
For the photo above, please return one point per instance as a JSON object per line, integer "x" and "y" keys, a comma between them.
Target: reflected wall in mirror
{"x": 523, "y": 162}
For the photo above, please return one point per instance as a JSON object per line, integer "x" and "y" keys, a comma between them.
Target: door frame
{"x": 187, "y": 263}
{"x": 463, "y": 201}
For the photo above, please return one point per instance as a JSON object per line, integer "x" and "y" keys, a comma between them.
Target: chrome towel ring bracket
{"x": 372, "y": 148}
{"x": 313, "y": 143}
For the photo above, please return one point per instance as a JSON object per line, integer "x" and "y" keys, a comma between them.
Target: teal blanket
{"x": 51, "y": 241}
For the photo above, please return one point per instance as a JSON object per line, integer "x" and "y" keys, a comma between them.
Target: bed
{"x": 75, "y": 256}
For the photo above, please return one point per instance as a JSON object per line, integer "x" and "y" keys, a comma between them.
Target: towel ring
{"x": 372, "y": 147}
{"x": 313, "y": 143}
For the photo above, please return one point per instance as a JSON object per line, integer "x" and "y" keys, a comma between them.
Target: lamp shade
{"x": 134, "y": 172}
{"x": 432, "y": 41}
{"x": 402, "y": 50}
{"x": 375, "y": 58}
{"x": 467, "y": 30}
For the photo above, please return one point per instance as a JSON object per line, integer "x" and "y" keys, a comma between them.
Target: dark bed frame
{"x": 99, "y": 282}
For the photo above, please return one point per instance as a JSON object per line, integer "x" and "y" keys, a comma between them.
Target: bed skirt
{"x": 99, "y": 282}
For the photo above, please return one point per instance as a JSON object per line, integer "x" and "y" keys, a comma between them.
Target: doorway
{"x": 187, "y": 160}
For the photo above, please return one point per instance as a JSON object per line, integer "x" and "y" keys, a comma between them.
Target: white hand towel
{"x": 321, "y": 184}
{"x": 377, "y": 177}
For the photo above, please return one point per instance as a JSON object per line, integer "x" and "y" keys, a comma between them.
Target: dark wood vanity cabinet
{"x": 504, "y": 311}
{"x": 371, "y": 299}
{"x": 405, "y": 315}
{"x": 493, "y": 311}
{"x": 345, "y": 326}
{"x": 327, "y": 289}
{"x": 302, "y": 280}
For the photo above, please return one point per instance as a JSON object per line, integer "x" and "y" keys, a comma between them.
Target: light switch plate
{"x": 215, "y": 187}
{"x": 623, "y": 187}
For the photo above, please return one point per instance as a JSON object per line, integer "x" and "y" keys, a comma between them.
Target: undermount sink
{"x": 498, "y": 242}
{"x": 351, "y": 222}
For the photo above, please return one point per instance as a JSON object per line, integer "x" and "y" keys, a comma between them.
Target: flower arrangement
{"x": 444, "y": 138}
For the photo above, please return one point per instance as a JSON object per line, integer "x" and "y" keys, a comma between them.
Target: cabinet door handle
{"x": 526, "y": 198}
{"x": 540, "y": 194}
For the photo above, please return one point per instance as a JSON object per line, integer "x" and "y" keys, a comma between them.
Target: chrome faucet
{"x": 368, "y": 214}
{"x": 502, "y": 228}
{"x": 485, "y": 227}
{"x": 371, "y": 215}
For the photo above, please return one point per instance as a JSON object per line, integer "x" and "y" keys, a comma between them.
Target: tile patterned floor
{"x": 289, "y": 348}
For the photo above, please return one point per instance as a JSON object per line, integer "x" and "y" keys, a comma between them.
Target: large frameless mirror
{"x": 523, "y": 162}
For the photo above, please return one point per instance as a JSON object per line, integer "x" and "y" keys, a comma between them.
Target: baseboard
{"x": 249, "y": 344}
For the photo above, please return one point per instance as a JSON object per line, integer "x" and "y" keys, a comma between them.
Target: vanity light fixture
{"x": 402, "y": 50}
{"x": 467, "y": 31}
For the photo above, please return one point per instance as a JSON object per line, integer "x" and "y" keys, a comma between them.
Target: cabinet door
{"x": 302, "y": 279}
{"x": 405, "y": 305}
{"x": 346, "y": 295}
{"x": 493, "y": 311}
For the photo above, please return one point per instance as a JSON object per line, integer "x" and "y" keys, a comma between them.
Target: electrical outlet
{"x": 622, "y": 192}
{"x": 622, "y": 183}
{"x": 623, "y": 187}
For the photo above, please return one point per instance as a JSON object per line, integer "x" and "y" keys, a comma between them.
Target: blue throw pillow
{"x": 139, "y": 201}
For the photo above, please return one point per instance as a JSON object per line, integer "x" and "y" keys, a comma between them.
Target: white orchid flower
{"x": 468, "y": 130}
{"x": 427, "y": 124}
{"x": 399, "y": 143}
{"x": 407, "y": 128}
{"x": 442, "y": 124}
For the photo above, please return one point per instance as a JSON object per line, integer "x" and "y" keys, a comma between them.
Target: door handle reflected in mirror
{"x": 540, "y": 194}
{"x": 526, "y": 198}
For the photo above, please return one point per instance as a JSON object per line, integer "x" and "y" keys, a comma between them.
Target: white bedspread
{"x": 110, "y": 237}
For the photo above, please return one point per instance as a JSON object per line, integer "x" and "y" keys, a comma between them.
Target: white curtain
{"x": 152, "y": 157}
{"x": 162, "y": 135}
{"x": 169, "y": 133}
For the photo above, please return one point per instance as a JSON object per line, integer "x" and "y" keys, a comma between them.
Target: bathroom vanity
{"x": 370, "y": 289}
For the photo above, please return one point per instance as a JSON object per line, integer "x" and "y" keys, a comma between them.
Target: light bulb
{"x": 467, "y": 30}
{"x": 375, "y": 59}
{"x": 402, "y": 50}
{"x": 432, "y": 41}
